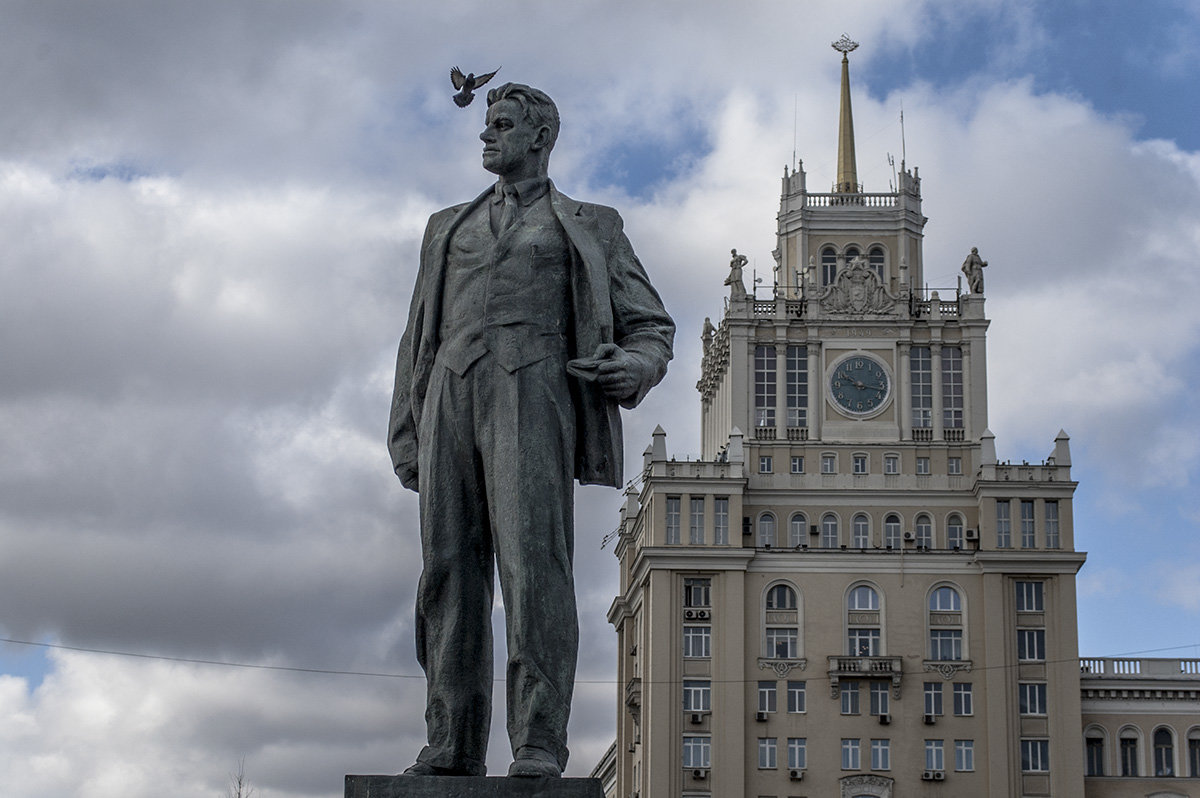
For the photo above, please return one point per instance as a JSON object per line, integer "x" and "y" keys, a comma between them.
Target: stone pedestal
{"x": 470, "y": 787}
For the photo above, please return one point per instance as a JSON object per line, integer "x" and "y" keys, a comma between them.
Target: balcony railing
{"x": 1119, "y": 668}
{"x": 865, "y": 668}
{"x": 860, "y": 200}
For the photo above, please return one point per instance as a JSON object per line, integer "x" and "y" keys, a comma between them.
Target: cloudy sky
{"x": 209, "y": 222}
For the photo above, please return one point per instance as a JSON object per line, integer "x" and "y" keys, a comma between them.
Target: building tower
{"x": 848, "y": 594}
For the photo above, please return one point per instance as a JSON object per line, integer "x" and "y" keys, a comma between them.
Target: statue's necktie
{"x": 508, "y": 213}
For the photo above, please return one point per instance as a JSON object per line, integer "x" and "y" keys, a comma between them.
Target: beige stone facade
{"x": 849, "y": 594}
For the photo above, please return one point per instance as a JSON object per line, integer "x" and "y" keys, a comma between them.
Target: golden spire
{"x": 847, "y": 171}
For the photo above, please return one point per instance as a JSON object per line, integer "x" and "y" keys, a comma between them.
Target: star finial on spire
{"x": 845, "y": 45}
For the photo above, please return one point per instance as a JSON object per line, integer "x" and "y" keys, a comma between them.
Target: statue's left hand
{"x": 619, "y": 374}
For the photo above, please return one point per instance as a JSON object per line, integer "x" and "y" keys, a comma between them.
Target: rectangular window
{"x": 850, "y": 698}
{"x": 697, "y": 641}
{"x": 881, "y": 755}
{"x": 952, "y": 387}
{"x": 1052, "y": 524}
{"x": 891, "y": 464}
{"x": 933, "y": 698}
{"x": 879, "y": 698}
{"x": 964, "y": 755}
{"x": 1030, "y": 597}
{"x": 766, "y": 753}
{"x": 1028, "y": 539}
{"x": 862, "y": 642}
{"x": 781, "y": 642}
{"x": 945, "y": 644}
{"x": 673, "y": 519}
{"x": 797, "y": 386}
{"x": 964, "y": 700}
{"x": 859, "y": 464}
{"x": 721, "y": 520}
{"x": 765, "y": 464}
{"x": 1093, "y": 755}
{"x": 954, "y": 466}
{"x": 796, "y": 697}
{"x": 828, "y": 464}
{"x": 766, "y": 697}
{"x": 697, "y": 751}
{"x": 1003, "y": 524}
{"x": 697, "y": 592}
{"x": 764, "y": 386}
{"x": 850, "y": 754}
{"x": 1129, "y": 756}
{"x": 1032, "y": 698}
{"x": 696, "y": 521}
{"x": 921, "y": 375}
{"x": 935, "y": 755}
{"x": 1035, "y": 756}
{"x": 1031, "y": 645}
{"x": 697, "y": 695}
{"x": 797, "y": 465}
{"x": 797, "y": 753}
{"x": 923, "y": 466}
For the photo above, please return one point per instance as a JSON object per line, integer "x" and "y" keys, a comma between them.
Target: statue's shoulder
{"x": 605, "y": 219}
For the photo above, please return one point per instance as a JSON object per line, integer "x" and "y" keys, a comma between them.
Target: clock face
{"x": 860, "y": 385}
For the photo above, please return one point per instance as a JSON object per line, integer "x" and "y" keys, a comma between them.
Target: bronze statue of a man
{"x": 531, "y": 321}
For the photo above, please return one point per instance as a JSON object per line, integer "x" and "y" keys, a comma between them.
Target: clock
{"x": 860, "y": 385}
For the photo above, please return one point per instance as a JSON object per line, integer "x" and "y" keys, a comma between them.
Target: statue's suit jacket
{"x": 612, "y": 301}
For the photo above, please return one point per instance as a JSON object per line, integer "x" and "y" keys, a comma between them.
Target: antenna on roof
{"x": 795, "y": 116}
{"x": 892, "y": 182}
{"x": 903, "y": 151}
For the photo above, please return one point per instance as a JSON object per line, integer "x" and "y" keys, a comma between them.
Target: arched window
{"x": 892, "y": 535}
{"x": 954, "y": 532}
{"x": 781, "y": 622}
{"x": 924, "y": 532}
{"x": 766, "y": 530}
{"x": 876, "y": 259}
{"x": 946, "y": 625}
{"x": 1164, "y": 752}
{"x": 781, "y": 597}
{"x": 864, "y": 597}
{"x": 864, "y": 622}
{"x": 797, "y": 530}
{"x": 1193, "y": 752}
{"x": 945, "y": 599}
{"x": 1129, "y": 738}
{"x": 829, "y": 531}
{"x": 828, "y": 266}
{"x": 860, "y": 534}
{"x": 852, "y": 253}
{"x": 1093, "y": 751}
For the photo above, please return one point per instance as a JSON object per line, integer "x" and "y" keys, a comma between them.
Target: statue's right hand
{"x": 408, "y": 477}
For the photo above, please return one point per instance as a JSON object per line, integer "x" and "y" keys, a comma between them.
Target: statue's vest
{"x": 506, "y": 294}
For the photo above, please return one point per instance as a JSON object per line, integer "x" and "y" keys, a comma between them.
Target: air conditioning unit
{"x": 700, "y": 774}
{"x": 760, "y": 716}
{"x": 939, "y": 775}
{"x": 796, "y": 774}
{"x": 972, "y": 534}
{"x": 703, "y": 614}
{"x": 927, "y": 775}
{"x": 813, "y": 530}
{"x": 689, "y": 614}
{"x": 909, "y": 537}
{"x": 884, "y": 719}
{"x": 697, "y": 717}
{"x": 930, "y": 720}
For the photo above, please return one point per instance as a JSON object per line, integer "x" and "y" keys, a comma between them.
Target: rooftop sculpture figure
{"x": 531, "y": 322}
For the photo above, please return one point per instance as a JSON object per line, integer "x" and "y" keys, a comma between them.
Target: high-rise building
{"x": 849, "y": 594}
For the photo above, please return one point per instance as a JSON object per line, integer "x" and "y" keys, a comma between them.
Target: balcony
{"x": 865, "y": 668}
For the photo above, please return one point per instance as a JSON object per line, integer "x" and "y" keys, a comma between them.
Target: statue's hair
{"x": 537, "y": 105}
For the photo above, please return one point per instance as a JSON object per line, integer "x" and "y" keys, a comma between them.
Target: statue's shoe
{"x": 420, "y": 768}
{"x": 533, "y": 763}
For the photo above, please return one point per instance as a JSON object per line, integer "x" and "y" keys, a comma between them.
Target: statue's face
{"x": 508, "y": 140}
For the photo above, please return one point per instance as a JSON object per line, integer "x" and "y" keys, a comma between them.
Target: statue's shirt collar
{"x": 527, "y": 192}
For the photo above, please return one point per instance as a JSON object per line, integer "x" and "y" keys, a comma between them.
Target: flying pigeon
{"x": 467, "y": 84}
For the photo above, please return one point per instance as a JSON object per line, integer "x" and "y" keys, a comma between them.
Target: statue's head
{"x": 522, "y": 126}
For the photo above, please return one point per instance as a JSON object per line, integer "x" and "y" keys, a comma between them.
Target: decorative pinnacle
{"x": 845, "y": 45}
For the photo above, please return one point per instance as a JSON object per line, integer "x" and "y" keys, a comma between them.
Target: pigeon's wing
{"x": 482, "y": 79}
{"x": 457, "y": 77}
